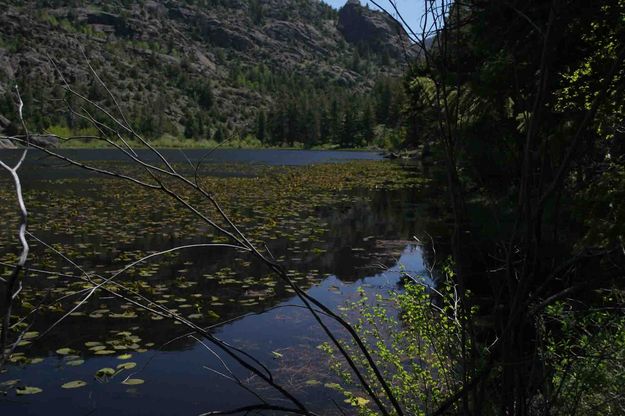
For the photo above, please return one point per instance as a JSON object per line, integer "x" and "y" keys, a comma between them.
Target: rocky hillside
{"x": 204, "y": 65}
{"x": 374, "y": 30}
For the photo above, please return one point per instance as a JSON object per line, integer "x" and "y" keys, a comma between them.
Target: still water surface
{"x": 332, "y": 241}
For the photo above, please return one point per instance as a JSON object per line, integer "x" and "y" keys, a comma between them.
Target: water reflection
{"x": 179, "y": 377}
{"x": 347, "y": 239}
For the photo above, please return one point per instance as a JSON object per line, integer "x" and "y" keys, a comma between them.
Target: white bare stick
{"x": 14, "y": 283}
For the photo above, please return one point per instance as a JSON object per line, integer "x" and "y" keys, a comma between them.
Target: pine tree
{"x": 367, "y": 126}
{"x": 324, "y": 126}
{"x": 293, "y": 131}
{"x": 383, "y": 99}
{"x": 348, "y": 131}
{"x": 189, "y": 126}
{"x": 200, "y": 125}
{"x": 261, "y": 127}
{"x": 219, "y": 135}
{"x": 311, "y": 128}
{"x": 335, "y": 122}
{"x": 205, "y": 97}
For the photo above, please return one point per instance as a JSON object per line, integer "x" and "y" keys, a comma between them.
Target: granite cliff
{"x": 170, "y": 61}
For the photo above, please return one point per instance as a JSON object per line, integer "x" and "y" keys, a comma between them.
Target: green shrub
{"x": 415, "y": 336}
{"x": 584, "y": 350}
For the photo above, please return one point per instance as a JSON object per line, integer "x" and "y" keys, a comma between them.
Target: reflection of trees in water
{"x": 352, "y": 250}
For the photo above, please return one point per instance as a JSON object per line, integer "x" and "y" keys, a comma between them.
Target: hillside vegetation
{"x": 283, "y": 71}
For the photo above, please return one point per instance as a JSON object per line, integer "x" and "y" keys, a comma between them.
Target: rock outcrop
{"x": 374, "y": 30}
{"x": 155, "y": 54}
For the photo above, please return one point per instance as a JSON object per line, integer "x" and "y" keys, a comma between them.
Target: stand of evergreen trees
{"x": 339, "y": 118}
{"x": 303, "y": 113}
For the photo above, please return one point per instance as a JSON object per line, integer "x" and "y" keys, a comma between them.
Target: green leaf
{"x": 133, "y": 381}
{"x": 126, "y": 366}
{"x": 105, "y": 372}
{"x": 97, "y": 348}
{"x": 212, "y": 314}
{"x": 74, "y": 384}
{"x": 9, "y": 383}
{"x": 30, "y": 335}
{"x": 357, "y": 401}
{"x": 26, "y": 390}
{"x": 104, "y": 352}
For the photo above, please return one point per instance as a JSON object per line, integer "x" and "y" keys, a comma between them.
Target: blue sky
{"x": 411, "y": 10}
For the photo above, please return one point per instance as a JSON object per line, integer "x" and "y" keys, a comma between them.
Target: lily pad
{"x": 74, "y": 384}
{"x": 97, "y": 348}
{"x": 133, "y": 381}
{"x": 104, "y": 352}
{"x": 9, "y": 383}
{"x": 26, "y": 390}
{"x": 126, "y": 366}
{"x": 105, "y": 372}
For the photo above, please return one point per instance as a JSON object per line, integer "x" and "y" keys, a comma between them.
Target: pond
{"x": 337, "y": 221}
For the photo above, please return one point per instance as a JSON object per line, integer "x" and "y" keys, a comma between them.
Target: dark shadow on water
{"x": 367, "y": 239}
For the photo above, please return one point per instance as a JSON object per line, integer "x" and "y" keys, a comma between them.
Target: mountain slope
{"x": 192, "y": 67}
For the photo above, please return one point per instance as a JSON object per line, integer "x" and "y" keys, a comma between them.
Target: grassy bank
{"x": 179, "y": 143}
{"x": 168, "y": 141}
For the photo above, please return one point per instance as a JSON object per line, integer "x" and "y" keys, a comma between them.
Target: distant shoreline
{"x": 195, "y": 144}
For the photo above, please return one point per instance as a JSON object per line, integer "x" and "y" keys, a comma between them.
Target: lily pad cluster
{"x": 103, "y": 224}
